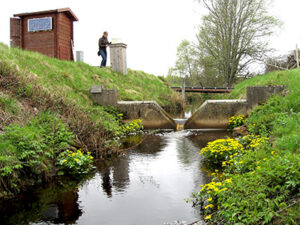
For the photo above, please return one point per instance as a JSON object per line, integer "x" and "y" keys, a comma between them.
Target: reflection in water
{"x": 146, "y": 186}
{"x": 53, "y": 204}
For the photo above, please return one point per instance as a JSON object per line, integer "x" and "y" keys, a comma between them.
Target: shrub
{"x": 250, "y": 142}
{"x": 221, "y": 150}
{"x": 236, "y": 121}
{"x": 75, "y": 163}
{"x": 132, "y": 127}
{"x": 27, "y": 152}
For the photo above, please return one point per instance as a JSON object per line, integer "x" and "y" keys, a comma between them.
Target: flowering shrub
{"x": 250, "y": 142}
{"x": 207, "y": 197}
{"x": 132, "y": 127}
{"x": 222, "y": 150}
{"x": 74, "y": 162}
{"x": 236, "y": 121}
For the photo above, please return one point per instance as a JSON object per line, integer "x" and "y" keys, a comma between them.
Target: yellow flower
{"x": 228, "y": 180}
{"x": 209, "y": 206}
{"x": 272, "y": 152}
{"x": 208, "y": 217}
{"x": 210, "y": 199}
{"x": 76, "y": 160}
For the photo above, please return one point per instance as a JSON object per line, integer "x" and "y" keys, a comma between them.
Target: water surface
{"x": 145, "y": 186}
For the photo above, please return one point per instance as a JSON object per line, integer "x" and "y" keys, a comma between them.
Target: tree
{"x": 234, "y": 34}
{"x": 185, "y": 59}
{"x": 197, "y": 69}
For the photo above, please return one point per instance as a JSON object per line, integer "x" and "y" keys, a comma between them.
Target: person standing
{"x": 103, "y": 43}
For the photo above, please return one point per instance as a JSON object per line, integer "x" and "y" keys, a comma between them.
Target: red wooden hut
{"x": 48, "y": 32}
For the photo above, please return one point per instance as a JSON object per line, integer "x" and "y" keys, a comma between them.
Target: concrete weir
{"x": 215, "y": 114}
{"x": 152, "y": 115}
{"x": 212, "y": 114}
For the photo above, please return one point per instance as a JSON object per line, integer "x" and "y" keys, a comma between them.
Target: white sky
{"x": 151, "y": 28}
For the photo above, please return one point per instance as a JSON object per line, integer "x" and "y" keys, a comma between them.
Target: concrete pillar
{"x": 118, "y": 57}
{"x": 79, "y": 56}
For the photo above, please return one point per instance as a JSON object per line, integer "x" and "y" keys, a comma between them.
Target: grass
{"x": 63, "y": 86}
{"x": 74, "y": 79}
{"x": 290, "y": 78}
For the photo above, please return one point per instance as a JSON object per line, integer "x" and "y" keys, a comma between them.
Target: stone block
{"x": 257, "y": 95}
{"x": 104, "y": 97}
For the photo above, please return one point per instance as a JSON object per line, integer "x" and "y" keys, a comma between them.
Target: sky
{"x": 152, "y": 29}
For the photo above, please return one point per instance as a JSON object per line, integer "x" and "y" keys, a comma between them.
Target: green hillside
{"x": 46, "y": 110}
{"x": 32, "y": 75}
{"x": 73, "y": 80}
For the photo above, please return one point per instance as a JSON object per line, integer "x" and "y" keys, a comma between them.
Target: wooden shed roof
{"x": 62, "y": 10}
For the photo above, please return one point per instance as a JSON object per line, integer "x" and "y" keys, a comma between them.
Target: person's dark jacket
{"x": 103, "y": 42}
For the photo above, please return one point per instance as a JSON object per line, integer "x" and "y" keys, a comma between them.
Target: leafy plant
{"x": 221, "y": 150}
{"x": 236, "y": 121}
{"x": 74, "y": 162}
{"x": 27, "y": 152}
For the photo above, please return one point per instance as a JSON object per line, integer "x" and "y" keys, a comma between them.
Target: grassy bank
{"x": 257, "y": 180}
{"x": 48, "y": 121}
{"x": 41, "y": 83}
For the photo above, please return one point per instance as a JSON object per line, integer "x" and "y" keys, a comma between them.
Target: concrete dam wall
{"x": 211, "y": 114}
{"x": 151, "y": 114}
{"x": 216, "y": 113}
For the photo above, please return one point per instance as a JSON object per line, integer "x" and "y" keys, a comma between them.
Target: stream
{"x": 145, "y": 186}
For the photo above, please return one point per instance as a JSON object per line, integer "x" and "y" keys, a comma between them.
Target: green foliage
{"x": 74, "y": 163}
{"x": 261, "y": 185}
{"x": 221, "y": 150}
{"x": 254, "y": 187}
{"x": 236, "y": 121}
{"x": 27, "y": 152}
{"x": 71, "y": 81}
{"x": 132, "y": 127}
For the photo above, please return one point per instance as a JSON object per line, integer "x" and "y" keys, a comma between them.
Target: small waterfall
{"x": 180, "y": 124}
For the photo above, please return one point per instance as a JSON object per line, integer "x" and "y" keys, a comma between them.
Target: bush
{"x": 74, "y": 163}
{"x": 222, "y": 150}
{"x": 132, "y": 127}
{"x": 236, "y": 121}
{"x": 27, "y": 152}
{"x": 254, "y": 188}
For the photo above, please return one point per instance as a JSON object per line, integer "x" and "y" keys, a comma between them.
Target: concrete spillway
{"x": 152, "y": 115}
{"x": 211, "y": 114}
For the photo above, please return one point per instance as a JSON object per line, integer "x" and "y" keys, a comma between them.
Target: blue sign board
{"x": 40, "y": 24}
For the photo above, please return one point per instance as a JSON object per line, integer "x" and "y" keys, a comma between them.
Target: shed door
{"x": 15, "y": 32}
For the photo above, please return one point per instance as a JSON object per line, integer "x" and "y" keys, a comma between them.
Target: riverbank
{"x": 36, "y": 83}
{"x": 33, "y": 85}
{"x": 257, "y": 180}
